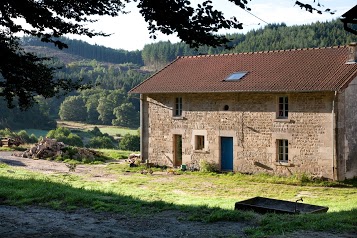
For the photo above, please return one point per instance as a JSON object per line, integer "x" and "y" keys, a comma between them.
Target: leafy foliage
{"x": 101, "y": 142}
{"x": 26, "y": 138}
{"x": 130, "y": 142}
{"x": 73, "y": 109}
{"x": 22, "y": 135}
{"x": 66, "y": 136}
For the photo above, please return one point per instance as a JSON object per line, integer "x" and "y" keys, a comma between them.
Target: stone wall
{"x": 346, "y": 165}
{"x": 251, "y": 121}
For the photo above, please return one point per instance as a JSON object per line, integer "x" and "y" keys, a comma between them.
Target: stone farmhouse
{"x": 283, "y": 112}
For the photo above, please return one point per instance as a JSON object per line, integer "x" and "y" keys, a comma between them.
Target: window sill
{"x": 178, "y": 118}
{"x": 283, "y": 120}
{"x": 201, "y": 151}
{"x": 285, "y": 164}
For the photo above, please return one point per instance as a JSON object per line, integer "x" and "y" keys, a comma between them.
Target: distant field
{"x": 36, "y": 132}
{"x": 111, "y": 130}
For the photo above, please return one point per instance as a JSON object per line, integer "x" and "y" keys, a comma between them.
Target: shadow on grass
{"x": 350, "y": 183}
{"x": 65, "y": 197}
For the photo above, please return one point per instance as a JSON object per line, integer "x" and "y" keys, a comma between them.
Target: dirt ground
{"x": 32, "y": 221}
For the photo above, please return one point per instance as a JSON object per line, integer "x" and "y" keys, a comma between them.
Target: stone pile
{"x": 46, "y": 148}
{"x": 133, "y": 160}
{"x": 50, "y": 148}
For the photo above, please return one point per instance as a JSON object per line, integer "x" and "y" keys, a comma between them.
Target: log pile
{"x": 46, "y": 148}
{"x": 8, "y": 142}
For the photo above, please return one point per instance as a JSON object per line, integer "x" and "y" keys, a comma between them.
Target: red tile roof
{"x": 317, "y": 69}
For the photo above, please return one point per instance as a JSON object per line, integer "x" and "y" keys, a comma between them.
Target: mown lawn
{"x": 207, "y": 197}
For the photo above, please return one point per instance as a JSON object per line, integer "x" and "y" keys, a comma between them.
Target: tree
{"x": 73, "y": 109}
{"x": 126, "y": 116}
{"x": 100, "y": 142}
{"x": 24, "y": 75}
{"x": 130, "y": 142}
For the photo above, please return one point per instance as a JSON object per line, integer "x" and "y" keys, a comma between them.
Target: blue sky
{"x": 129, "y": 32}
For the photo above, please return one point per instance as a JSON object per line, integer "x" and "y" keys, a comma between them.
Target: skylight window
{"x": 236, "y": 76}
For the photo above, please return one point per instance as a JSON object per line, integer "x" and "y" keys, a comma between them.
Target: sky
{"x": 129, "y": 32}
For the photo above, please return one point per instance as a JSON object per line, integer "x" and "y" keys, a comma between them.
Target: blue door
{"x": 227, "y": 153}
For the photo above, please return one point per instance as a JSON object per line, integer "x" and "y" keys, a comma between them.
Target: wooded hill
{"x": 114, "y": 72}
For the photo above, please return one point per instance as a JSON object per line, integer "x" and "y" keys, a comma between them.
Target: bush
{"x": 24, "y": 136}
{"x": 206, "y": 166}
{"x": 7, "y": 133}
{"x": 101, "y": 142}
{"x": 130, "y": 142}
{"x": 64, "y": 135}
{"x": 96, "y": 131}
{"x": 74, "y": 140}
{"x": 33, "y": 139}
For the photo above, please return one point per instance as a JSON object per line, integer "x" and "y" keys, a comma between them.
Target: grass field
{"x": 111, "y": 130}
{"x": 205, "y": 197}
{"x": 36, "y": 132}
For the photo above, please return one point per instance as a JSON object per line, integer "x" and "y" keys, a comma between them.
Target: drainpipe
{"x": 142, "y": 98}
{"x": 334, "y": 157}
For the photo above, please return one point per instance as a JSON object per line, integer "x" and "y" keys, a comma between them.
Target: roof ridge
{"x": 263, "y": 52}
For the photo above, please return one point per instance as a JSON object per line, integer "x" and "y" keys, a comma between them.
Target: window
{"x": 283, "y": 151}
{"x": 283, "y": 107}
{"x": 178, "y": 107}
{"x": 236, "y": 76}
{"x": 200, "y": 142}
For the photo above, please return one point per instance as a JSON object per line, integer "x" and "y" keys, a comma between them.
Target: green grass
{"x": 12, "y": 148}
{"x": 36, "y": 132}
{"x": 115, "y": 154}
{"x": 114, "y": 131}
{"x": 111, "y": 130}
{"x": 5, "y": 148}
{"x": 207, "y": 197}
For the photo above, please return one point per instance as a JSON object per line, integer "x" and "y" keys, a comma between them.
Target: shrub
{"x": 33, "y": 139}
{"x": 24, "y": 136}
{"x": 101, "y": 142}
{"x": 130, "y": 142}
{"x": 64, "y": 135}
{"x": 6, "y": 133}
{"x": 96, "y": 131}
{"x": 206, "y": 166}
{"x": 74, "y": 140}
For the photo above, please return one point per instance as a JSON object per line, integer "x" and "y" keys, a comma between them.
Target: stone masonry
{"x": 251, "y": 120}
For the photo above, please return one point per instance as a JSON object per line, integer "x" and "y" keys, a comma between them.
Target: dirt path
{"x": 43, "y": 222}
